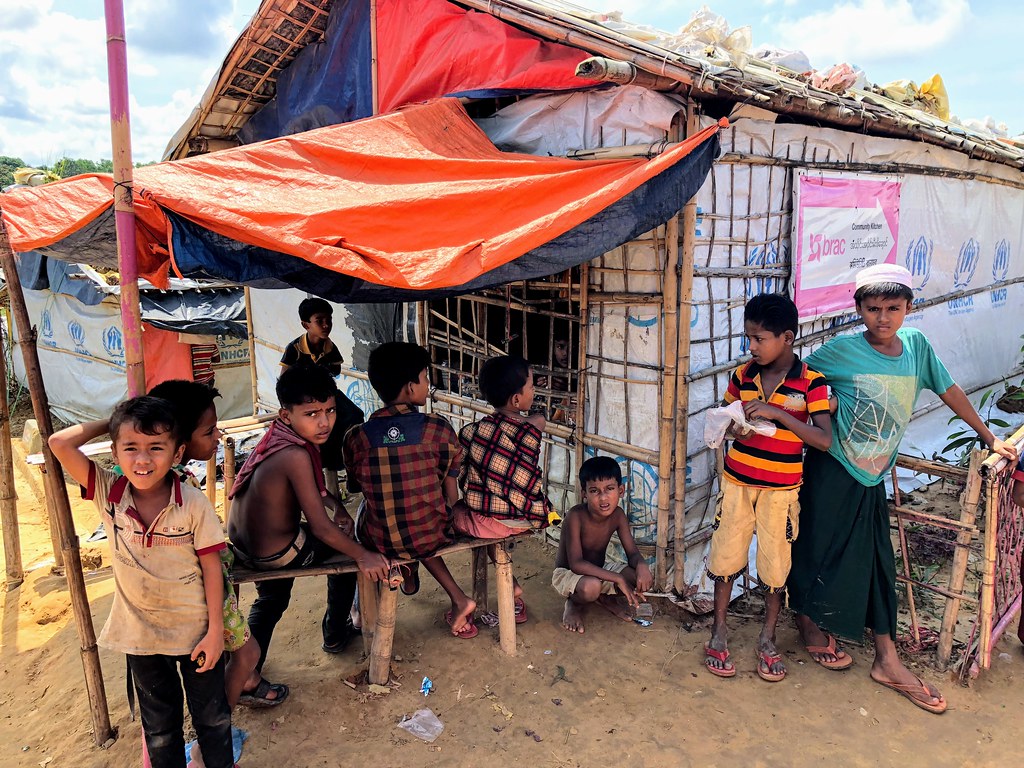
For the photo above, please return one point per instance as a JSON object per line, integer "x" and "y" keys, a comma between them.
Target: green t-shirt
{"x": 876, "y": 395}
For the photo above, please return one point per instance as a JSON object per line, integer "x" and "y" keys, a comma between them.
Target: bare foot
{"x": 813, "y": 637}
{"x": 572, "y": 617}
{"x": 462, "y": 612}
{"x": 615, "y": 606}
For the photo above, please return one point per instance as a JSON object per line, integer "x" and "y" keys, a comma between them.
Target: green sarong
{"x": 844, "y": 568}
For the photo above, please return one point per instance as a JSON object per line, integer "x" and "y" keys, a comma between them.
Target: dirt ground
{"x": 619, "y": 694}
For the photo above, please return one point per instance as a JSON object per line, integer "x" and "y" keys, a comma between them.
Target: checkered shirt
{"x": 501, "y": 475}
{"x": 399, "y": 459}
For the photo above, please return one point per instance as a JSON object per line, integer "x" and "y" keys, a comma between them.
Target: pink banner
{"x": 843, "y": 224}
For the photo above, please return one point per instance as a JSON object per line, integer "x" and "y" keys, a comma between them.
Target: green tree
{"x": 7, "y": 167}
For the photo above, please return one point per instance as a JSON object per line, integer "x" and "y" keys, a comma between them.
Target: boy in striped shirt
{"x": 763, "y": 474}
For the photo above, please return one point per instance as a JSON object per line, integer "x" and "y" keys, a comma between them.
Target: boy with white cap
{"x": 844, "y": 574}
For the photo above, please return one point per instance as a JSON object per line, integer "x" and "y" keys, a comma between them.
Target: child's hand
{"x": 644, "y": 579}
{"x": 538, "y": 420}
{"x": 1005, "y": 449}
{"x": 627, "y": 591}
{"x": 374, "y": 565}
{"x": 345, "y": 523}
{"x": 208, "y": 652}
{"x": 758, "y": 409}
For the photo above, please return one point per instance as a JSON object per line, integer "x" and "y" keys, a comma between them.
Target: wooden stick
{"x": 988, "y": 575}
{"x": 229, "y": 474}
{"x": 933, "y": 468}
{"x": 384, "y": 637}
{"x": 253, "y": 382}
{"x": 211, "y": 480}
{"x": 368, "y": 602}
{"x": 14, "y": 573}
{"x": 480, "y": 578}
{"x": 506, "y": 599}
{"x": 667, "y": 428}
{"x": 906, "y": 561}
{"x": 102, "y": 732}
{"x": 582, "y": 356}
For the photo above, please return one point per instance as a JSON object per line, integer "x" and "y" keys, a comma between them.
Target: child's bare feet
{"x": 572, "y": 617}
{"x": 716, "y": 653}
{"x": 461, "y": 615}
{"x": 769, "y": 660}
{"x": 615, "y": 606}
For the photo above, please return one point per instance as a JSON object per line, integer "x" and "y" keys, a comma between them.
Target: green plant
{"x": 963, "y": 441}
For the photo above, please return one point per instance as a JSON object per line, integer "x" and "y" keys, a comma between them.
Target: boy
{"x": 762, "y": 474}
{"x": 314, "y": 346}
{"x": 281, "y": 481}
{"x": 168, "y": 610}
{"x": 197, "y": 422}
{"x": 501, "y": 478}
{"x": 580, "y": 575}
{"x": 405, "y": 464}
{"x": 844, "y": 572}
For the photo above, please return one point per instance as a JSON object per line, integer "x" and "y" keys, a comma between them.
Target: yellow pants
{"x": 774, "y": 513}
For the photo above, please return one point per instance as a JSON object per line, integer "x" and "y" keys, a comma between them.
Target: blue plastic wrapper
{"x": 427, "y": 686}
{"x": 643, "y": 622}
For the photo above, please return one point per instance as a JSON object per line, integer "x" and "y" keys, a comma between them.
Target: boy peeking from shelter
{"x": 405, "y": 463}
{"x": 763, "y": 474}
{"x": 168, "y": 610}
{"x": 281, "y": 482}
{"x": 582, "y": 576}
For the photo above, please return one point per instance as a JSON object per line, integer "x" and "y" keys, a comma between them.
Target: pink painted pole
{"x": 124, "y": 211}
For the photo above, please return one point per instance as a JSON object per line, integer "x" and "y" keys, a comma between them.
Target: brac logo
{"x": 966, "y": 263}
{"x": 113, "y": 341}
{"x": 919, "y": 260}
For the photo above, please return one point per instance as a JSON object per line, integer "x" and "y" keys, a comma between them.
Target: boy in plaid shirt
{"x": 405, "y": 463}
{"x": 501, "y": 479}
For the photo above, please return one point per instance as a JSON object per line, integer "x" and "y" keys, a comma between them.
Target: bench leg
{"x": 367, "y": 610}
{"x": 506, "y": 599}
{"x": 383, "y": 638}
{"x": 480, "y": 578}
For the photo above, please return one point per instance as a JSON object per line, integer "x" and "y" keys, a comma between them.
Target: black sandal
{"x": 257, "y": 697}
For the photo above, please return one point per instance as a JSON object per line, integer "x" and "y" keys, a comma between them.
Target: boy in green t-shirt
{"x": 844, "y": 573}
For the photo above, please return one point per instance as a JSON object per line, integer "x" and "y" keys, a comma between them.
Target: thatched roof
{"x": 281, "y": 28}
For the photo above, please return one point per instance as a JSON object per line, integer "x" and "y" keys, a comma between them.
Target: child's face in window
{"x": 319, "y": 326}
{"x": 603, "y": 496}
{"x": 311, "y": 421}
{"x": 561, "y": 353}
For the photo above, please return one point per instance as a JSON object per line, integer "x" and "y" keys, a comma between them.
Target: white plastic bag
{"x": 717, "y": 421}
{"x": 423, "y": 725}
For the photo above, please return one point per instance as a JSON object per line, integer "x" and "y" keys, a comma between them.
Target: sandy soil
{"x": 617, "y": 695}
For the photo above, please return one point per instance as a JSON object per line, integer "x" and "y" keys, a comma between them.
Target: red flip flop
{"x": 468, "y": 631}
{"x": 722, "y": 656}
{"x": 521, "y": 617}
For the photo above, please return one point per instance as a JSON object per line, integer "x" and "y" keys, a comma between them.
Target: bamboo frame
{"x": 95, "y": 691}
{"x": 14, "y": 573}
{"x": 669, "y": 393}
{"x": 253, "y": 381}
{"x": 988, "y": 576}
{"x": 915, "y": 630}
{"x": 582, "y": 363}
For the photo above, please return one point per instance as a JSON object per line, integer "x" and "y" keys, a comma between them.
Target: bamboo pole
{"x": 988, "y": 576}
{"x": 582, "y": 357}
{"x": 906, "y": 560}
{"x": 506, "y": 599}
{"x": 384, "y": 637}
{"x": 211, "y": 480}
{"x": 368, "y": 594}
{"x": 669, "y": 391}
{"x": 253, "y": 379}
{"x": 101, "y": 729}
{"x": 689, "y": 229}
{"x": 480, "y": 578}
{"x": 961, "y": 556}
{"x": 14, "y": 573}
{"x": 124, "y": 210}
{"x": 229, "y": 475}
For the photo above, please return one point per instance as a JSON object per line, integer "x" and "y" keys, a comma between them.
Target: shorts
{"x": 480, "y": 526}
{"x": 774, "y": 513}
{"x": 564, "y": 580}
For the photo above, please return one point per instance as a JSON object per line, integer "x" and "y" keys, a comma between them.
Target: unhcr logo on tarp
{"x": 1000, "y": 269}
{"x": 47, "y": 330}
{"x": 966, "y": 266}
{"x": 77, "y": 334}
{"x": 113, "y": 343}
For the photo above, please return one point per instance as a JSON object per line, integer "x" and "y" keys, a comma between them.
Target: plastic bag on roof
{"x": 838, "y": 79}
{"x": 708, "y": 36}
{"x": 796, "y": 61}
{"x": 933, "y": 92}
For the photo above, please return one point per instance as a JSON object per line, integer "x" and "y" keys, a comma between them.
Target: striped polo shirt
{"x": 776, "y": 461}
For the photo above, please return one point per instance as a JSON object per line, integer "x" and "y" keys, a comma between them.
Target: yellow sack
{"x": 933, "y": 93}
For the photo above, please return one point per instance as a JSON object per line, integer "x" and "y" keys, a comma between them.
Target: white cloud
{"x": 864, "y": 31}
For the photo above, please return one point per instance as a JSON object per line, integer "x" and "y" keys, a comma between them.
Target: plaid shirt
{"x": 399, "y": 459}
{"x": 501, "y": 475}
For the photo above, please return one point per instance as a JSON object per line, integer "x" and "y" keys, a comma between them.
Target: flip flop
{"x": 257, "y": 697}
{"x": 414, "y": 577}
{"x": 722, "y": 656}
{"x": 521, "y": 617}
{"x": 468, "y": 631}
{"x": 765, "y": 662}
{"x": 910, "y": 690}
{"x": 843, "y": 659}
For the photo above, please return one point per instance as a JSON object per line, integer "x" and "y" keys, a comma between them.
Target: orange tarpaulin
{"x": 416, "y": 199}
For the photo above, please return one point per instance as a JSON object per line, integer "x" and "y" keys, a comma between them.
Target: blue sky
{"x": 53, "y": 92}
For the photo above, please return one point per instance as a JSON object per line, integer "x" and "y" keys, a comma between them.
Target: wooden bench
{"x": 379, "y": 604}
